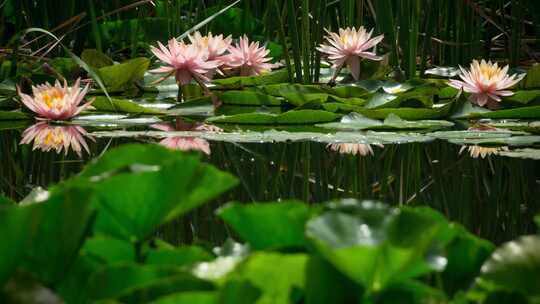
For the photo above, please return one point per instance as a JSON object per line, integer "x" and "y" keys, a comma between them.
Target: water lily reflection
{"x": 352, "y": 148}
{"x": 479, "y": 151}
{"x": 48, "y": 137}
{"x": 184, "y": 143}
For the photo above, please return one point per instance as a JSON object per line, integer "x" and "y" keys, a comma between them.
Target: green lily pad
{"x": 190, "y": 297}
{"x": 289, "y": 117}
{"x": 522, "y": 153}
{"x": 119, "y": 76}
{"x": 284, "y": 88}
{"x": 268, "y": 225}
{"x": 14, "y": 115}
{"x": 532, "y": 79}
{"x": 423, "y": 95}
{"x": 467, "y": 110}
{"x": 96, "y": 59}
{"x": 248, "y": 98}
{"x": 300, "y": 99}
{"x": 355, "y": 121}
{"x": 523, "y": 96}
{"x": 102, "y": 103}
{"x": 437, "y": 111}
{"x": 274, "y": 77}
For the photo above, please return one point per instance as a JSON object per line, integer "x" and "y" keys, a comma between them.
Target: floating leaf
{"x": 467, "y": 110}
{"x": 268, "y": 225}
{"x": 122, "y": 105}
{"x": 523, "y": 96}
{"x": 300, "y": 99}
{"x": 532, "y": 79}
{"x": 274, "y": 77}
{"x": 13, "y": 115}
{"x": 437, "y": 111}
{"x": 96, "y": 59}
{"x": 290, "y": 117}
{"x": 119, "y": 76}
{"x": 284, "y": 88}
{"x": 108, "y": 250}
{"x": 522, "y": 153}
{"x": 248, "y": 98}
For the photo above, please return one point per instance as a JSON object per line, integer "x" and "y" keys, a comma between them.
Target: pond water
{"x": 494, "y": 191}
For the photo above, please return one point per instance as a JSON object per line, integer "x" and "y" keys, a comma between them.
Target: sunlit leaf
{"x": 268, "y": 225}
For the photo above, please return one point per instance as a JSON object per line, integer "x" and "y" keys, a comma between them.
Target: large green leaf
{"x": 119, "y": 76}
{"x": 423, "y": 95}
{"x": 437, "y": 111}
{"x": 157, "y": 186}
{"x": 467, "y": 110}
{"x": 377, "y": 246}
{"x": 268, "y": 225}
{"x": 181, "y": 256}
{"x": 56, "y": 230}
{"x": 191, "y": 297}
{"x": 287, "y": 88}
{"x": 248, "y": 98}
{"x": 102, "y": 103}
{"x": 466, "y": 254}
{"x": 355, "y": 121}
{"x": 144, "y": 282}
{"x": 325, "y": 284}
{"x": 289, "y": 117}
{"x": 523, "y": 96}
{"x": 278, "y": 76}
{"x": 515, "y": 266}
{"x": 532, "y": 79}
{"x": 96, "y": 59}
{"x": 275, "y": 282}
{"x": 108, "y": 250}
{"x": 13, "y": 115}
{"x": 14, "y": 230}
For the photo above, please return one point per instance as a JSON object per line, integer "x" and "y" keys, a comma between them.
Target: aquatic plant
{"x": 47, "y": 137}
{"x": 487, "y": 83}
{"x": 184, "y": 61}
{"x": 348, "y": 47}
{"x": 56, "y": 102}
{"x": 249, "y": 58}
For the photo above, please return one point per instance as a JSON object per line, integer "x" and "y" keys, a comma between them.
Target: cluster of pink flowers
{"x": 205, "y": 55}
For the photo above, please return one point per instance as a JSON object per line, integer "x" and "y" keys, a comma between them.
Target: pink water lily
{"x": 249, "y": 58}
{"x": 216, "y": 46}
{"x": 47, "y": 137}
{"x": 352, "y": 148}
{"x": 185, "y": 143}
{"x": 349, "y": 46}
{"x": 185, "y": 61}
{"x": 487, "y": 83}
{"x": 56, "y": 102}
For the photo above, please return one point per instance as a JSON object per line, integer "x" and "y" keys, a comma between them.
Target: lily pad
{"x": 446, "y": 72}
{"x": 529, "y": 153}
{"x": 467, "y": 110}
{"x": 248, "y": 98}
{"x": 13, "y": 115}
{"x": 274, "y": 77}
{"x": 119, "y": 76}
{"x": 532, "y": 79}
{"x": 96, "y": 59}
{"x": 102, "y": 103}
{"x": 290, "y": 117}
{"x": 355, "y": 121}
